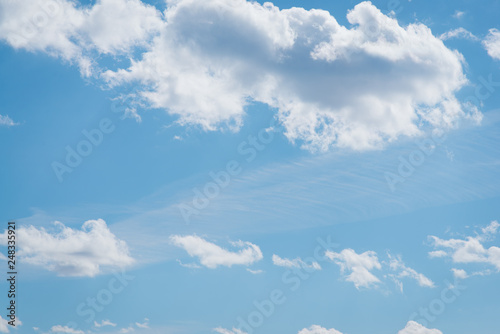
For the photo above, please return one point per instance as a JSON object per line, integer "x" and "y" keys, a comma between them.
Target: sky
{"x": 237, "y": 167}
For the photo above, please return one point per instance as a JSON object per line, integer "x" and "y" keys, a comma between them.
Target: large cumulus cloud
{"x": 357, "y": 86}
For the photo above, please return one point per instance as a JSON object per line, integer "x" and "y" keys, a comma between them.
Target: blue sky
{"x": 231, "y": 167}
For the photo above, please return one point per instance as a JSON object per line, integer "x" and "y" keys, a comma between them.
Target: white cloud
{"x": 255, "y": 272}
{"x": 71, "y": 252}
{"x": 65, "y": 329}
{"x": 116, "y": 26}
{"x": 413, "y": 327}
{"x": 295, "y": 263}
{"x": 39, "y": 25}
{"x": 492, "y": 43}
{"x": 61, "y": 29}
{"x": 438, "y": 253}
{"x": 6, "y": 121}
{"x": 489, "y": 231}
{"x": 471, "y": 249}
{"x": 460, "y": 33}
{"x": 104, "y": 323}
{"x": 357, "y": 87}
{"x": 4, "y": 326}
{"x": 459, "y": 273}
{"x": 221, "y": 330}
{"x": 358, "y": 266}
{"x": 315, "y": 329}
{"x": 145, "y": 324}
{"x": 458, "y": 14}
{"x": 127, "y": 330}
{"x": 396, "y": 264}
{"x": 332, "y": 85}
{"x": 188, "y": 265}
{"x": 359, "y": 269}
{"x": 212, "y": 255}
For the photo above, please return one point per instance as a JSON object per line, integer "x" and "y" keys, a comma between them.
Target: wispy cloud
{"x": 104, "y": 323}
{"x": 188, "y": 265}
{"x": 128, "y": 329}
{"x": 359, "y": 269}
{"x": 7, "y": 121}
{"x": 458, "y": 14}
{"x": 401, "y": 270}
{"x": 305, "y": 192}
{"x": 295, "y": 263}
{"x": 255, "y": 272}
{"x": 144, "y": 324}
{"x": 458, "y": 33}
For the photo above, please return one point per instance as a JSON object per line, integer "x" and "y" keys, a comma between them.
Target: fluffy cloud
{"x": 116, "y": 26}
{"x": 65, "y": 329}
{"x": 358, "y": 266}
{"x": 39, "y": 25}
{"x": 471, "y": 249}
{"x": 212, "y": 255}
{"x": 78, "y": 35}
{"x": 358, "y": 86}
{"x": 492, "y": 43}
{"x": 4, "y": 326}
{"x": 315, "y": 329}
{"x": 413, "y": 327}
{"x": 221, "y": 330}
{"x": 354, "y": 87}
{"x": 71, "y": 252}
{"x": 6, "y": 121}
{"x": 295, "y": 263}
{"x": 459, "y": 273}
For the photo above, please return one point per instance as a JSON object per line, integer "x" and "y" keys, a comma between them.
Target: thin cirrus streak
{"x": 342, "y": 190}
